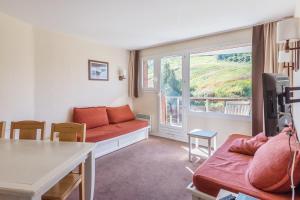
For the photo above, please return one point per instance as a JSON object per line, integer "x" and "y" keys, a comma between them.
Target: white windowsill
{"x": 220, "y": 116}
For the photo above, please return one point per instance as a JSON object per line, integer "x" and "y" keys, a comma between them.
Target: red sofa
{"x": 226, "y": 170}
{"x": 105, "y": 123}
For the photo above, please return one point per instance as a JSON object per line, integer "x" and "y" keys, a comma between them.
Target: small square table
{"x": 223, "y": 193}
{"x": 202, "y": 134}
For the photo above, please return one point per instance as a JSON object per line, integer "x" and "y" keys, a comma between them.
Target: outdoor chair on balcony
{"x": 238, "y": 108}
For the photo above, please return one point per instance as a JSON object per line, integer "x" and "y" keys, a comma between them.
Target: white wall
{"x": 297, "y": 81}
{"x": 44, "y": 74}
{"x": 297, "y": 9}
{"x": 61, "y": 66}
{"x": 16, "y": 69}
{"x": 224, "y": 126}
{"x": 148, "y": 102}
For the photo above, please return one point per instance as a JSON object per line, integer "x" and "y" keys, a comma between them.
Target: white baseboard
{"x": 176, "y": 137}
{"x": 170, "y": 136}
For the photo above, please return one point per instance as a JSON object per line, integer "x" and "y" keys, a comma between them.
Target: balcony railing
{"x": 232, "y": 106}
{"x": 171, "y": 107}
{"x": 171, "y": 110}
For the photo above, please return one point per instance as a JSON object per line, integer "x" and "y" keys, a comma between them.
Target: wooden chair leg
{"x": 82, "y": 184}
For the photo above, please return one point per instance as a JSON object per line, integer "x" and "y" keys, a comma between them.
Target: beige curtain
{"x": 133, "y": 73}
{"x": 272, "y": 49}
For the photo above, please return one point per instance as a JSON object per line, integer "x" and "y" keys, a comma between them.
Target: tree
{"x": 171, "y": 86}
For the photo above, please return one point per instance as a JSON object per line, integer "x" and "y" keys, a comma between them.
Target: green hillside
{"x": 222, "y": 75}
{"x": 226, "y": 75}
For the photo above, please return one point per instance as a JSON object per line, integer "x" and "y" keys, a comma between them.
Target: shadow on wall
{"x": 121, "y": 101}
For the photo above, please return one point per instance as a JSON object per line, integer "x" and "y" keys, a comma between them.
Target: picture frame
{"x": 98, "y": 70}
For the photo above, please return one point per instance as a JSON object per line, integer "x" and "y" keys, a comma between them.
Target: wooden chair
{"x": 68, "y": 132}
{"x": 28, "y": 129}
{"x": 238, "y": 108}
{"x": 2, "y": 129}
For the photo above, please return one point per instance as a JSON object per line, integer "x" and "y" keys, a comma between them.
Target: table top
{"x": 202, "y": 133}
{"x": 26, "y": 164}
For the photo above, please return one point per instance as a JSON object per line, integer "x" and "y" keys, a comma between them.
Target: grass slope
{"x": 211, "y": 77}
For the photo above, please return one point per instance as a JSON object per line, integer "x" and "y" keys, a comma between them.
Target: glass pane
{"x": 220, "y": 81}
{"x": 171, "y": 91}
{"x": 148, "y": 73}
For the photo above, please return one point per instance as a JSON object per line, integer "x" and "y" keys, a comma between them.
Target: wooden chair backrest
{"x": 2, "y": 129}
{"x": 28, "y": 129}
{"x": 238, "y": 108}
{"x": 68, "y": 132}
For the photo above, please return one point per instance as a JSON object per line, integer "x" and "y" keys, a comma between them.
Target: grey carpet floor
{"x": 153, "y": 169}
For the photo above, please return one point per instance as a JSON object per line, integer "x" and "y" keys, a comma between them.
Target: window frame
{"x": 186, "y": 52}
{"x": 155, "y": 74}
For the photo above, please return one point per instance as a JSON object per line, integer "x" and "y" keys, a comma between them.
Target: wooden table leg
{"x": 190, "y": 149}
{"x": 90, "y": 176}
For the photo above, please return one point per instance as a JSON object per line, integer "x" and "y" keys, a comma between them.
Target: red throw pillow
{"x": 92, "y": 116}
{"x": 248, "y": 146}
{"x": 268, "y": 170}
{"x": 120, "y": 114}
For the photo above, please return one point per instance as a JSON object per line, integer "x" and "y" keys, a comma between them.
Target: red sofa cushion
{"x": 248, "y": 146}
{"x": 91, "y": 116}
{"x": 114, "y": 130}
{"x": 227, "y": 170}
{"x": 119, "y": 114}
{"x": 268, "y": 170}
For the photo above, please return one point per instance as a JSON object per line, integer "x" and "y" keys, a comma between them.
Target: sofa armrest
{"x": 145, "y": 117}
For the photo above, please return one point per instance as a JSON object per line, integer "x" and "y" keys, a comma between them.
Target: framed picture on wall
{"x": 98, "y": 70}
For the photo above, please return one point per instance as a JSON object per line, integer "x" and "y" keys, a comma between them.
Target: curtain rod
{"x": 213, "y": 34}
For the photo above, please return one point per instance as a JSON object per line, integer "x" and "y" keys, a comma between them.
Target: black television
{"x": 276, "y": 109}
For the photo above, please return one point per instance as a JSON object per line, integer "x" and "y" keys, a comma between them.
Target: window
{"x": 148, "y": 74}
{"x": 220, "y": 81}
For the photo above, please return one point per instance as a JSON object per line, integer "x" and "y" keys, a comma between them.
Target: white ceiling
{"x": 135, "y": 24}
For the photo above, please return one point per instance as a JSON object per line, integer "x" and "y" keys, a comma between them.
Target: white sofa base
{"x": 197, "y": 195}
{"x": 107, "y": 146}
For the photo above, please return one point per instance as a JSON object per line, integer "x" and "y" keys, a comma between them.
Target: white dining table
{"x": 29, "y": 168}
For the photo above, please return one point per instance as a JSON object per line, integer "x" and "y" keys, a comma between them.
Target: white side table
{"x": 202, "y": 134}
{"x": 224, "y": 193}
